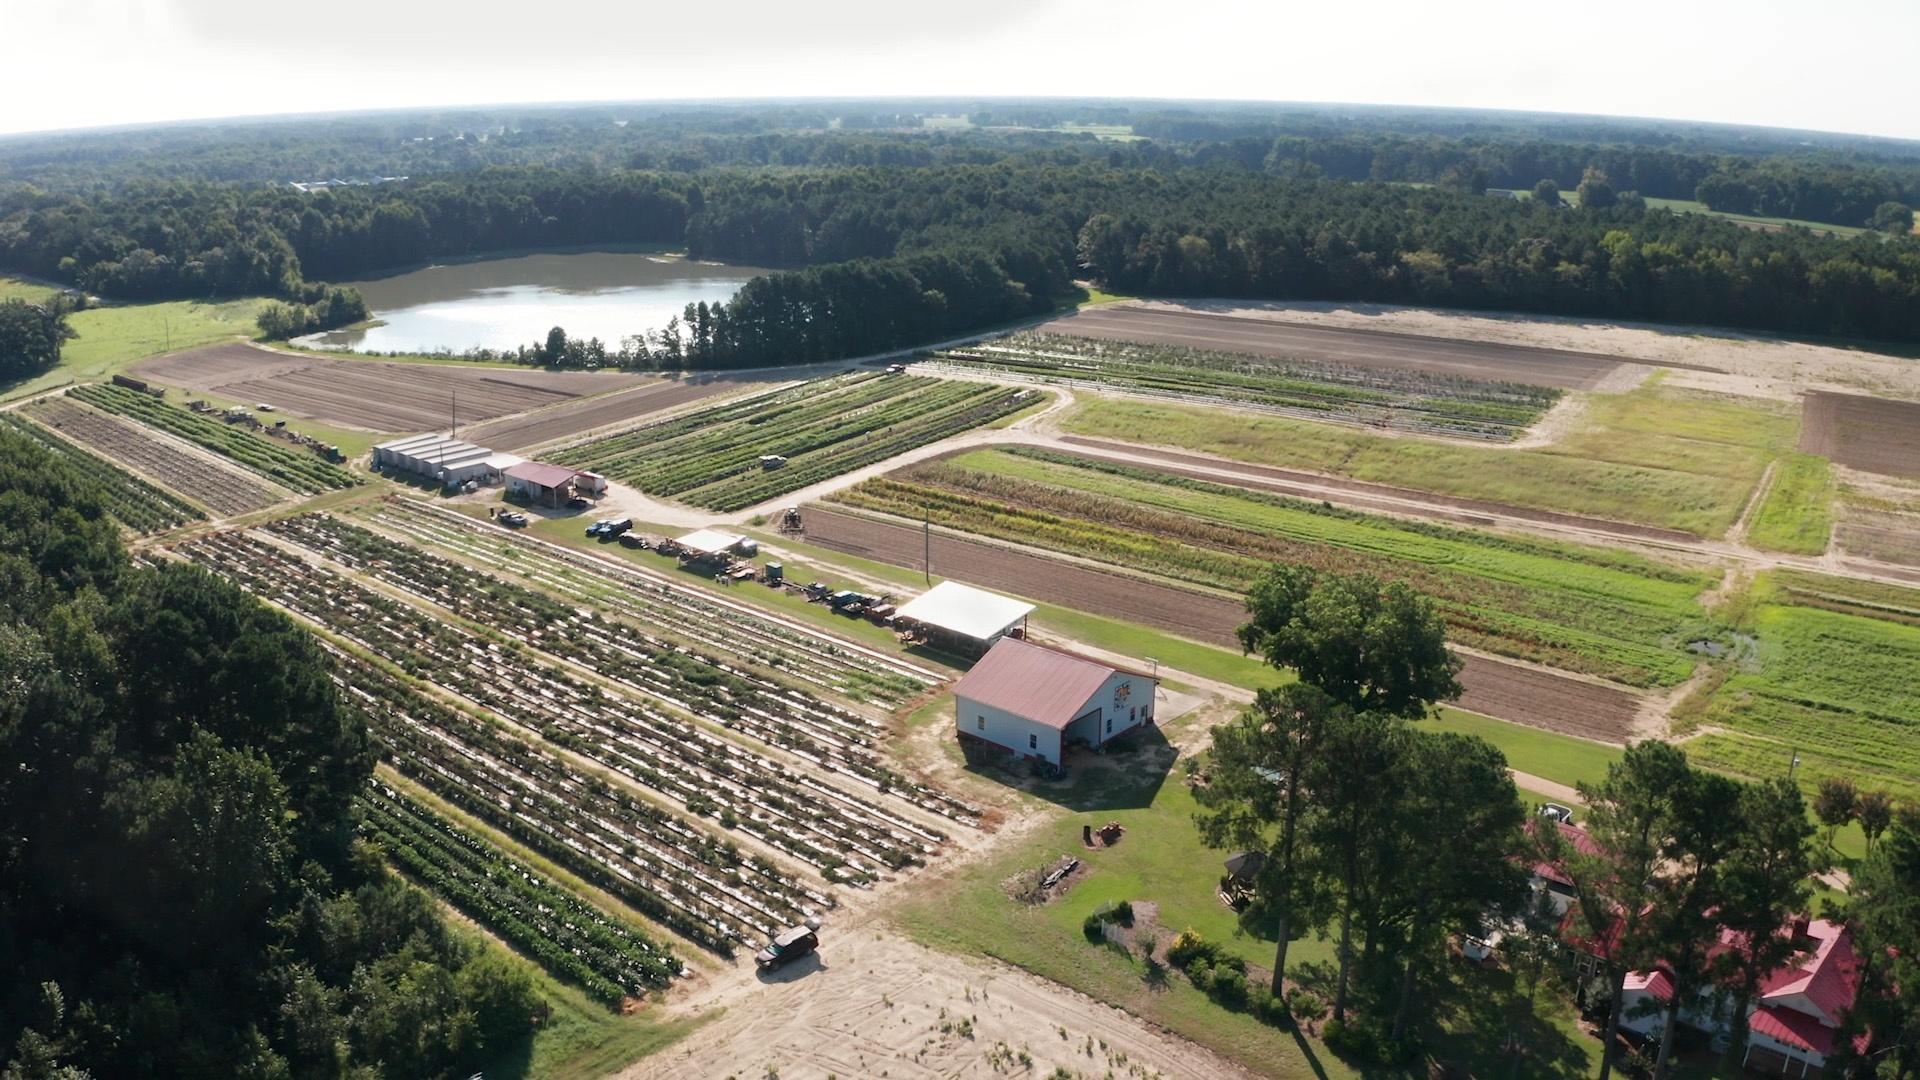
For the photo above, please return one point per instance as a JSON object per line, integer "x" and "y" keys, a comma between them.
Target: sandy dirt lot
{"x": 873, "y": 1004}
{"x": 1702, "y": 358}
{"x": 369, "y": 394}
{"x": 1233, "y": 332}
{"x": 1864, "y": 433}
{"x": 1495, "y": 688}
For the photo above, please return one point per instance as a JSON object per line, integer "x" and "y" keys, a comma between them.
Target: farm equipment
{"x": 790, "y": 520}
{"x": 132, "y": 383}
{"x": 775, "y": 574}
{"x": 635, "y": 541}
{"x": 772, "y": 461}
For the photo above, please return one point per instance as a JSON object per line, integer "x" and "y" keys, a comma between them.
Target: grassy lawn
{"x": 112, "y": 337}
{"x": 1560, "y": 758}
{"x": 1655, "y": 456}
{"x": 1689, "y": 206}
{"x": 15, "y": 289}
{"x": 582, "y": 1040}
{"x": 1797, "y": 516}
{"x": 1162, "y": 860}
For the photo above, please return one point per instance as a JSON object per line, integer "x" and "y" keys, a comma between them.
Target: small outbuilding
{"x": 547, "y": 485}
{"x": 1036, "y": 700}
{"x": 713, "y": 547}
{"x": 962, "y": 619}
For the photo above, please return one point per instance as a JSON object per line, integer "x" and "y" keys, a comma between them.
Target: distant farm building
{"x": 1036, "y": 701}
{"x": 715, "y": 547}
{"x": 962, "y": 619}
{"x": 437, "y": 457}
{"x": 542, "y": 484}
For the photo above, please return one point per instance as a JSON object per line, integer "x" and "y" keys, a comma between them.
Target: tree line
{"x": 1186, "y": 231}
{"x": 1391, "y": 840}
{"x": 181, "y": 892}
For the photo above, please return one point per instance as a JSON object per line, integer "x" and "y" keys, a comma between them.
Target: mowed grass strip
{"x": 1831, "y": 676}
{"x": 1614, "y": 614}
{"x": 109, "y": 338}
{"x": 1797, "y": 515}
{"x": 1656, "y": 456}
{"x": 713, "y": 457}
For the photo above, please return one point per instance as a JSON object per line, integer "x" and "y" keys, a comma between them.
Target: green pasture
{"x": 15, "y": 289}
{"x": 110, "y": 338}
{"x": 1690, "y": 206}
{"x": 1797, "y": 515}
{"x": 1655, "y": 456}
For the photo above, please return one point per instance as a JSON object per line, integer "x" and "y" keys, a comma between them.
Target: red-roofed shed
{"x": 1035, "y": 700}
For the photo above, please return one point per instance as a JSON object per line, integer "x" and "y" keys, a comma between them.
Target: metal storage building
{"x": 437, "y": 457}
{"x": 963, "y": 619}
{"x": 1036, "y": 701}
{"x": 549, "y": 485}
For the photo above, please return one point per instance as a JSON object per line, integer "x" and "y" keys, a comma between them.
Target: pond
{"x": 503, "y": 303}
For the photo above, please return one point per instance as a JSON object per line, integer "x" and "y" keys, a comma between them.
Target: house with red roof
{"x": 1793, "y": 1026}
{"x": 1035, "y": 700}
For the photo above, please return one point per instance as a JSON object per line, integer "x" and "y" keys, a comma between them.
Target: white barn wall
{"x": 1006, "y": 729}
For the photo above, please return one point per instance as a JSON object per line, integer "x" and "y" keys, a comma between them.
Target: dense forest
{"x": 180, "y": 890}
{"x": 894, "y": 235}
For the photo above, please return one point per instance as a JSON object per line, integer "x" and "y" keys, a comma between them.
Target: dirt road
{"x": 1495, "y": 688}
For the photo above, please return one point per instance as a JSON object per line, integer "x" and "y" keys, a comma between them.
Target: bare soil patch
{"x": 1871, "y": 434}
{"x": 1303, "y": 485}
{"x": 1490, "y": 361}
{"x": 1495, "y": 688}
{"x": 223, "y": 490}
{"x": 369, "y": 394}
{"x": 577, "y": 418}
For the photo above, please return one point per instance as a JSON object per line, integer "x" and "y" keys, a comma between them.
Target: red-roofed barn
{"x": 1036, "y": 701}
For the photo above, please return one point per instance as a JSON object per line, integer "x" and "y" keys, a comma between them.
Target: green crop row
{"x": 1797, "y": 515}
{"x": 712, "y": 457}
{"x": 292, "y": 466}
{"x": 1608, "y": 613}
{"x": 574, "y": 940}
{"x": 1423, "y": 400}
{"x": 1831, "y": 674}
{"x": 137, "y": 504}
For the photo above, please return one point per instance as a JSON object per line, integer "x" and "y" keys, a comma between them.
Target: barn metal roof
{"x": 709, "y": 541}
{"x": 546, "y": 476}
{"x": 965, "y": 610}
{"x": 1046, "y": 686}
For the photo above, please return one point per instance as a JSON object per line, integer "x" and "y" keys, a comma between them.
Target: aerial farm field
{"x": 1586, "y": 609}
{"x": 140, "y": 506}
{"x": 1797, "y": 513}
{"x": 1829, "y": 678}
{"x": 291, "y": 466}
{"x": 109, "y": 338}
{"x": 1872, "y": 434}
{"x": 1670, "y": 458}
{"x": 713, "y": 457}
{"x": 373, "y": 395}
{"x": 224, "y": 490}
{"x": 1410, "y": 399}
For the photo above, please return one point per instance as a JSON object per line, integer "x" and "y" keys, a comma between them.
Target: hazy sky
{"x": 1834, "y": 65}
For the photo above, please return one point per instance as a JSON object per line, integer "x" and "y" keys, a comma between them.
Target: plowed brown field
{"x": 562, "y": 421}
{"x": 1506, "y": 691}
{"x": 1871, "y": 434}
{"x": 369, "y": 394}
{"x": 1361, "y": 348}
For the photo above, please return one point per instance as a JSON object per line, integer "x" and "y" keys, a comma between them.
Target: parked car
{"x": 514, "y": 520}
{"x": 613, "y": 527}
{"x": 598, "y": 527}
{"x": 787, "y": 946}
{"x": 1555, "y": 812}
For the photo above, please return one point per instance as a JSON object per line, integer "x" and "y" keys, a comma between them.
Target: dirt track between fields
{"x": 1494, "y": 688}
{"x": 372, "y": 395}
{"x": 1361, "y": 348}
{"x": 1871, "y": 434}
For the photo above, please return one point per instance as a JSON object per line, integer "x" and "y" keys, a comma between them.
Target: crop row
{"x": 713, "y": 457}
{"x": 826, "y": 734}
{"x": 795, "y": 652}
{"x": 846, "y": 837}
{"x": 138, "y": 505}
{"x": 298, "y": 469}
{"x": 223, "y": 490}
{"x": 663, "y": 864}
{"x": 1416, "y": 400}
{"x": 604, "y": 955}
{"x": 1582, "y": 609}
